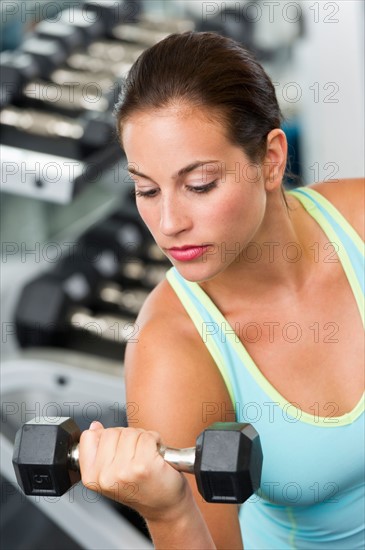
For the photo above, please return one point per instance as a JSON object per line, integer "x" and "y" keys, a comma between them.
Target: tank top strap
{"x": 208, "y": 326}
{"x": 347, "y": 242}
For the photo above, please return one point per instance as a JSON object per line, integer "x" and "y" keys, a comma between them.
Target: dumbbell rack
{"x": 34, "y": 383}
{"x": 57, "y": 95}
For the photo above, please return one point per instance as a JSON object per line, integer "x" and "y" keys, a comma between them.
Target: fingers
{"x": 113, "y": 453}
{"x": 124, "y": 464}
{"x": 88, "y": 448}
{"x": 135, "y": 453}
{"x": 96, "y": 425}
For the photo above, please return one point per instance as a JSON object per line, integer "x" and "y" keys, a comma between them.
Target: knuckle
{"x": 132, "y": 432}
{"x": 104, "y": 480}
{"x": 87, "y": 478}
{"x": 140, "y": 471}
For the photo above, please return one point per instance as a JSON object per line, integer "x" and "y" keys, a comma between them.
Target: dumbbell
{"x": 35, "y": 57}
{"x": 81, "y": 20}
{"x": 117, "y": 251}
{"x": 150, "y": 30}
{"x": 51, "y": 131}
{"x": 66, "y": 307}
{"x": 81, "y": 61}
{"x": 114, "y": 12}
{"x": 113, "y": 51}
{"x": 49, "y": 46}
{"x": 120, "y": 57}
{"x": 125, "y": 236}
{"x": 73, "y": 307}
{"x": 68, "y": 36}
{"x": 226, "y": 461}
{"x": 16, "y": 69}
{"x": 47, "y": 53}
{"x": 80, "y": 26}
{"x": 52, "y": 41}
{"x": 73, "y": 96}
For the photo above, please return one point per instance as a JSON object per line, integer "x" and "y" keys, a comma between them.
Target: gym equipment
{"x": 96, "y": 19}
{"x": 55, "y": 313}
{"x": 123, "y": 235}
{"x": 46, "y": 53}
{"x": 72, "y": 290}
{"x": 69, "y": 307}
{"x": 81, "y": 20}
{"x": 111, "y": 269}
{"x": 227, "y": 459}
{"x": 113, "y": 50}
{"x": 43, "y": 51}
{"x": 151, "y": 30}
{"x": 52, "y": 132}
{"x": 16, "y": 68}
{"x": 68, "y": 36}
{"x": 72, "y": 97}
{"x": 81, "y": 61}
{"x": 112, "y": 12}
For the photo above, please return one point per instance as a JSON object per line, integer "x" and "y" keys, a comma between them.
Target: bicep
{"x": 178, "y": 391}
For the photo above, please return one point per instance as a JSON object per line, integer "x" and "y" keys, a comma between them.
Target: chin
{"x": 197, "y": 273}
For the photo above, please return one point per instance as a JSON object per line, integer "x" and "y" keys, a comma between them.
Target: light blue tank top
{"x": 312, "y": 487}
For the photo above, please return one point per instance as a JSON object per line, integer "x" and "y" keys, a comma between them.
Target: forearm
{"x": 185, "y": 529}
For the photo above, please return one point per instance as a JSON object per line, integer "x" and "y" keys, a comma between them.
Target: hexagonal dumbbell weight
{"x": 227, "y": 459}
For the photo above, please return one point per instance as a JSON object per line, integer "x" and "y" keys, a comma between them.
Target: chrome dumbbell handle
{"x": 181, "y": 459}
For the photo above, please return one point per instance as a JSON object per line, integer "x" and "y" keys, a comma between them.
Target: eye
{"x": 203, "y": 188}
{"x": 137, "y": 193}
{"x": 194, "y": 189}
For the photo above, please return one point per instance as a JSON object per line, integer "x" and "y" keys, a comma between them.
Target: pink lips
{"x": 187, "y": 253}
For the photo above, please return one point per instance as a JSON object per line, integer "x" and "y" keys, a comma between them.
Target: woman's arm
{"x": 187, "y": 530}
{"x": 175, "y": 388}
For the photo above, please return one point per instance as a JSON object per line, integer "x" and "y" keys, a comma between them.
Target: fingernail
{"x": 93, "y": 425}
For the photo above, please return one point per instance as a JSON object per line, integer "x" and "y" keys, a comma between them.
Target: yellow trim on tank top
{"x": 341, "y": 252}
{"x": 199, "y": 322}
{"x": 332, "y": 210}
{"x": 319, "y": 421}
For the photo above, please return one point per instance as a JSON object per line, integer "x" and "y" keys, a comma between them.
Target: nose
{"x": 174, "y": 217}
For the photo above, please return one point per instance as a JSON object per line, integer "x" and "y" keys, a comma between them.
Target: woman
{"x": 258, "y": 321}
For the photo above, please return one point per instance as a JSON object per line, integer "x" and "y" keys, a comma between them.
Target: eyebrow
{"x": 182, "y": 172}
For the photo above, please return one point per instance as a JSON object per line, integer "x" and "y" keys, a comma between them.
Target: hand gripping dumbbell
{"x": 226, "y": 461}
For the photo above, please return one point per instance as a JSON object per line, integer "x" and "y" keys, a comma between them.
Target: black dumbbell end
{"x": 228, "y": 462}
{"x": 41, "y": 456}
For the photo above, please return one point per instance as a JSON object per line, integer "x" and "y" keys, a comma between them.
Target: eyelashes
{"x": 198, "y": 190}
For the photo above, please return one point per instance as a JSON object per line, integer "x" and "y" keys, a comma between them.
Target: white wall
{"x": 333, "y": 52}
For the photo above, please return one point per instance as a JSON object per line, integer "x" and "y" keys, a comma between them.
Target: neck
{"x": 278, "y": 260}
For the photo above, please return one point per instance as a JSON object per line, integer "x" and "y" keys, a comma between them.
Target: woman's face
{"x": 200, "y": 196}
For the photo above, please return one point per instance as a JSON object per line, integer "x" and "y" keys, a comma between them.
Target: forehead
{"x": 173, "y": 125}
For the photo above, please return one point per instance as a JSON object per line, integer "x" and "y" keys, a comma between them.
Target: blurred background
{"x": 77, "y": 262}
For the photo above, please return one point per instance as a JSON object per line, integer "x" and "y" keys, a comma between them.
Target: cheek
{"x": 239, "y": 214}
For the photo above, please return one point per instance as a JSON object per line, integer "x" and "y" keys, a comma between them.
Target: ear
{"x": 275, "y": 159}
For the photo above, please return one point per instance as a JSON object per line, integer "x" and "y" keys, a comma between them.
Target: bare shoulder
{"x": 348, "y": 196}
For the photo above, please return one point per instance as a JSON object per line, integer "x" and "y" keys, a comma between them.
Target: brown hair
{"x": 207, "y": 70}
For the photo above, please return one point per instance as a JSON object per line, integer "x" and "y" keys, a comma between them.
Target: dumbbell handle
{"x": 182, "y": 460}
